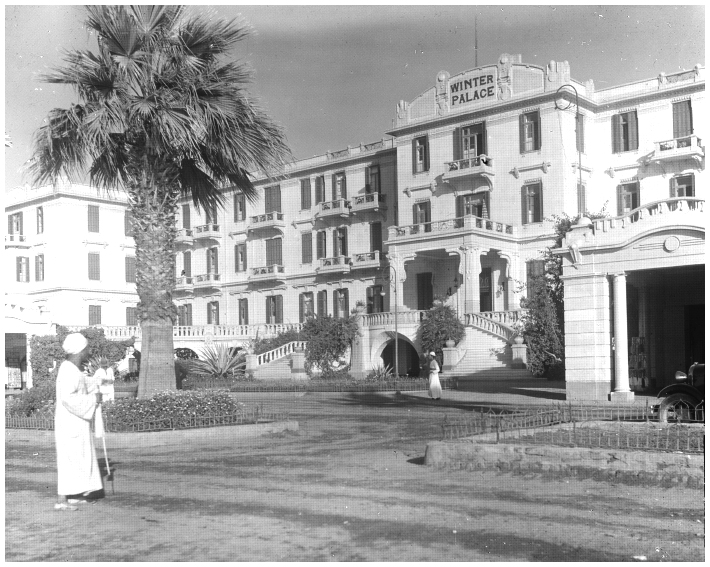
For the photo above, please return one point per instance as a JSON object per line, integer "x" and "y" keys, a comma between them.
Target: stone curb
{"x": 172, "y": 438}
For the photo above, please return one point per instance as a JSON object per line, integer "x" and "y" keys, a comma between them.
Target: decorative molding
{"x": 431, "y": 187}
{"x": 585, "y": 168}
{"x": 545, "y": 166}
{"x": 95, "y": 243}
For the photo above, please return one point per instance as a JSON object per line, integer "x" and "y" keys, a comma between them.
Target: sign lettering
{"x": 470, "y": 90}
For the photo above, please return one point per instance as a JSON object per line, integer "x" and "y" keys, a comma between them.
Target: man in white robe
{"x": 77, "y": 467}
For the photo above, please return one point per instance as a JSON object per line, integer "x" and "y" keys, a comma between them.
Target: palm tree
{"x": 161, "y": 115}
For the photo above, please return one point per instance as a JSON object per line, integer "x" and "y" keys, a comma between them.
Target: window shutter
{"x": 209, "y": 313}
{"x": 376, "y": 236}
{"x": 633, "y": 131}
{"x": 673, "y": 186}
{"x": 336, "y": 305}
{"x": 524, "y": 204}
{"x": 216, "y": 312}
{"x": 236, "y": 207}
{"x": 306, "y": 248}
{"x": 336, "y": 248}
{"x": 93, "y": 214}
{"x": 215, "y": 260}
{"x": 346, "y": 301}
{"x": 580, "y": 132}
{"x": 458, "y": 144}
{"x": 209, "y": 261}
{"x": 277, "y": 198}
{"x": 301, "y": 307}
{"x": 540, "y": 201}
{"x": 426, "y": 153}
{"x": 320, "y": 245}
{"x": 10, "y": 227}
{"x": 186, "y": 216}
{"x": 682, "y": 119}
{"x": 278, "y": 246}
{"x": 279, "y": 309}
{"x": 459, "y": 207}
{"x": 522, "y": 133}
{"x": 22, "y": 228}
{"x": 187, "y": 263}
{"x": 18, "y": 264}
{"x": 538, "y": 130}
{"x": 414, "y": 155}
{"x": 188, "y": 314}
{"x": 333, "y": 180}
{"x": 484, "y": 140}
{"x": 321, "y": 304}
{"x": 343, "y": 187}
{"x": 37, "y": 268}
{"x": 619, "y": 200}
{"x": 616, "y": 143}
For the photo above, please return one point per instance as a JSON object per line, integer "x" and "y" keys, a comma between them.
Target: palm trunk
{"x": 153, "y": 213}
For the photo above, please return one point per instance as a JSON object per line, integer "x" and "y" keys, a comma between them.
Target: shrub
{"x": 218, "y": 362}
{"x": 185, "y": 354}
{"x": 380, "y": 373}
{"x": 175, "y": 409}
{"x": 39, "y": 398}
{"x": 542, "y": 331}
{"x": 440, "y": 324}
{"x": 328, "y": 339}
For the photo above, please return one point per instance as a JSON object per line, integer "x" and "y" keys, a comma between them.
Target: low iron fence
{"x": 604, "y": 427}
{"x": 407, "y": 385}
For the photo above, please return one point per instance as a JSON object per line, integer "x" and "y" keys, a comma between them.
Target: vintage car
{"x": 684, "y": 400}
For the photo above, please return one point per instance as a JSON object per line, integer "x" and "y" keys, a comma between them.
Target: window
{"x": 93, "y": 218}
{"x": 132, "y": 316}
{"x": 212, "y": 261}
{"x": 39, "y": 268}
{"x": 579, "y": 134}
{"x": 272, "y": 199}
{"x": 581, "y": 198}
{"x": 420, "y": 154}
{"x": 533, "y": 269}
{"x": 211, "y": 214}
{"x": 240, "y": 257}
{"x": 185, "y": 315}
{"x": 244, "y": 311}
{"x": 376, "y": 236}
{"x": 340, "y": 241}
{"x": 321, "y": 250}
{"x": 624, "y": 132}
{"x": 23, "y": 269}
{"x": 187, "y": 264}
{"x": 530, "y": 139}
{"x": 372, "y": 176}
{"x": 14, "y": 224}
{"x": 40, "y": 220}
{"x": 94, "y": 315}
{"x": 186, "y": 216}
{"x": 322, "y": 303}
{"x": 274, "y": 310}
{"x": 94, "y": 266}
{"x": 130, "y": 269}
{"x": 213, "y": 313}
{"x": 473, "y": 139}
{"x": 476, "y": 205}
{"x": 628, "y": 197}
{"x": 532, "y": 203}
{"x": 305, "y": 306}
{"x": 273, "y": 252}
{"x": 127, "y": 224}
{"x": 422, "y": 215}
{"x": 340, "y": 304}
{"x": 320, "y": 189}
{"x": 240, "y": 207}
{"x": 306, "y": 248}
{"x": 374, "y": 299}
{"x": 682, "y": 119}
{"x": 339, "y": 189}
{"x": 305, "y": 193}
{"x": 683, "y": 186}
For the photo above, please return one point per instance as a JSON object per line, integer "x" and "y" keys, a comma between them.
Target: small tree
{"x": 542, "y": 331}
{"x": 328, "y": 339}
{"x": 440, "y": 324}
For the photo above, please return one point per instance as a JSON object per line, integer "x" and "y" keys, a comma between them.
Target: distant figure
{"x": 77, "y": 469}
{"x": 107, "y": 382}
{"x": 434, "y": 384}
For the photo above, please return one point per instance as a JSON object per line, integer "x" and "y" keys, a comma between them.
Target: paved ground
{"x": 349, "y": 485}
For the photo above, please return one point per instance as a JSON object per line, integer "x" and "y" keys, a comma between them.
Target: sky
{"x": 331, "y": 76}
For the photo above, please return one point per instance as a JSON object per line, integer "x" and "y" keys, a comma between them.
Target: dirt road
{"x": 349, "y": 486}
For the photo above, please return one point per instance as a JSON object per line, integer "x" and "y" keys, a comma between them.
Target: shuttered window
{"x": 187, "y": 264}
{"x": 93, "y": 212}
{"x": 39, "y": 268}
{"x": 40, "y": 220}
{"x": 132, "y": 317}
{"x": 211, "y": 215}
{"x": 186, "y": 216}
{"x": 213, "y": 313}
{"x": 244, "y": 311}
{"x": 272, "y": 199}
{"x": 240, "y": 207}
{"x": 682, "y": 186}
{"x": 322, "y": 303}
{"x": 420, "y": 154}
{"x": 421, "y": 214}
{"x": 305, "y": 193}
{"x": 240, "y": 257}
{"x": 532, "y": 203}
{"x": 341, "y": 308}
{"x": 94, "y": 315}
{"x": 339, "y": 189}
{"x": 130, "y": 269}
{"x": 305, "y": 306}
{"x": 627, "y": 197}
{"x": 340, "y": 241}
{"x": 273, "y": 252}
{"x": 274, "y": 310}
{"x": 320, "y": 189}
{"x": 374, "y": 299}
{"x": 185, "y": 315}
{"x": 321, "y": 250}
{"x": 682, "y": 119}
{"x": 624, "y": 132}
{"x": 212, "y": 261}
{"x": 94, "y": 266}
{"x": 14, "y": 224}
{"x": 372, "y": 175}
{"x": 376, "y": 236}
{"x": 306, "y": 248}
{"x": 530, "y": 135}
{"x": 476, "y": 205}
{"x": 23, "y": 269}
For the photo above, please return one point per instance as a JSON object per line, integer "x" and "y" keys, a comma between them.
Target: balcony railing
{"x": 506, "y": 317}
{"x": 679, "y": 148}
{"x": 477, "y": 165}
{"x": 386, "y": 319}
{"x": 678, "y": 204}
{"x": 183, "y": 283}
{"x": 365, "y": 260}
{"x": 273, "y": 219}
{"x": 199, "y": 332}
{"x": 450, "y": 225}
{"x": 16, "y": 240}
{"x": 339, "y": 207}
{"x": 265, "y": 273}
{"x": 367, "y": 202}
{"x": 339, "y": 264}
{"x": 206, "y": 280}
{"x": 184, "y": 236}
{"x": 207, "y": 231}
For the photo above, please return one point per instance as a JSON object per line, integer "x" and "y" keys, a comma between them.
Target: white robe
{"x": 434, "y": 384}
{"x": 77, "y": 467}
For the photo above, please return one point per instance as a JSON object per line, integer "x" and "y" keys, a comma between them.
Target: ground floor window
{"x": 322, "y": 303}
{"x": 375, "y": 299}
{"x": 532, "y": 203}
{"x": 243, "y": 311}
{"x": 94, "y": 315}
{"x": 132, "y": 316}
{"x": 274, "y": 310}
{"x": 185, "y": 315}
{"x": 213, "y": 313}
{"x": 305, "y": 306}
{"x": 340, "y": 304}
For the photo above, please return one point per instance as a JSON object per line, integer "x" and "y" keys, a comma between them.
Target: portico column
{"x": 622, "y": 392}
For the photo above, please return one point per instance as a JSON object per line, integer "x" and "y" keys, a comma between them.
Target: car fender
{"x": 681, "y": 389}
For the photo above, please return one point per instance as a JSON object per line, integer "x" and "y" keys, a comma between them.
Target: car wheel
{"x": 677, "y": 407}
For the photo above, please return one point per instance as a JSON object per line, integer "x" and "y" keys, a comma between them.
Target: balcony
{"x": 184, "y": 284}
{"x": 16, "y": 241}
{"x": 205, "y": 281}
{"x": 337, "y": 208}
{"x": 206, "y": 231}
{"x": 688, "y": 147}
{"x": 368, "y": 202}
{"x": 454, "y": 226}
{"x": 335, "y": 265}
{"x": 268, "y": 220}
{"x": 481, "y": 166}
{"x": 365, "y": 260}
{"x": 184, "y": 236}
{"x": 267, "y": 273}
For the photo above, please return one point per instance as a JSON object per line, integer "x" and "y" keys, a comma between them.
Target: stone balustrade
{"x": 452, "y": 226}
{"x": 679, "y": 204}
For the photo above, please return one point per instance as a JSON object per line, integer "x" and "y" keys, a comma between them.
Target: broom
{"x": 99, "y": 431}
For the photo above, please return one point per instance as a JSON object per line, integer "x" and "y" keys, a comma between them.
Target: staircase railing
{"x": 279, "y": 352}
{"x": 489, "y": 325}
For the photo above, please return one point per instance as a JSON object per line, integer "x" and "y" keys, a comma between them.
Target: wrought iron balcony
{"x": 206, "y": 231}
{"x": 365, "y": 260}
{"x": 337, "y": 264}
{"x": 474, "y": 166}
{"x": 267, "y": 273}
{"x": 273, "y": 219}
{"x": 678, "y": 148}
{"x": 337, "y": 208}
{"x": 368, "y": 202}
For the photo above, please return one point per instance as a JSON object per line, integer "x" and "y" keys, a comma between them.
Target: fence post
{"x": 497, "y": 431}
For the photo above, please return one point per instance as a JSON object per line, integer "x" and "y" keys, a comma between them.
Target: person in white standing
{"x": 104, "y": 379}
{"x": 434, "y": 384}
{"x": 77, "y": 468}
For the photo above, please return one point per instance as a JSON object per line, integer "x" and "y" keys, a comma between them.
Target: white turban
{"x": 74, "y": 343}
{"x": 432, "y": 354}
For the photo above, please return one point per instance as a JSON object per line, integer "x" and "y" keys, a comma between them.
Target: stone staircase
{"x": 279, "y": 369}
{"x": 486, "y": 355}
